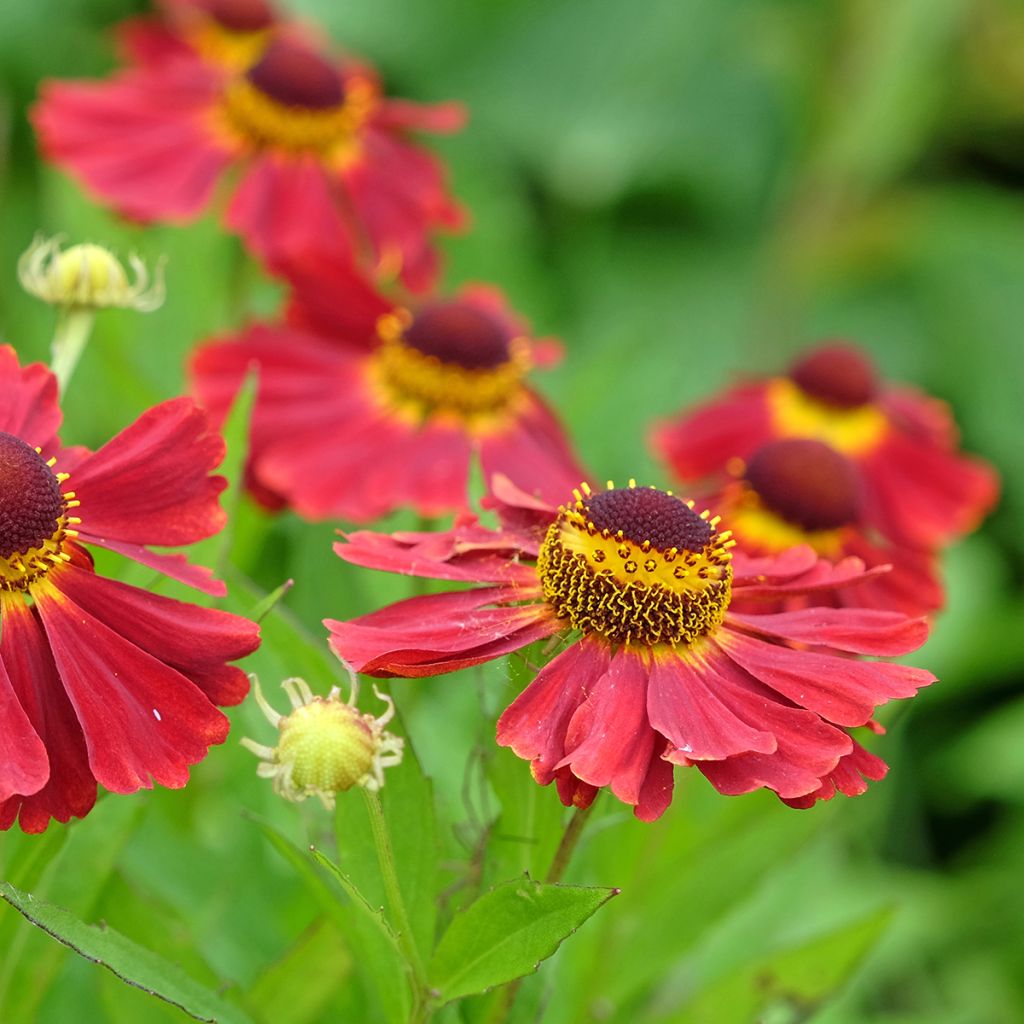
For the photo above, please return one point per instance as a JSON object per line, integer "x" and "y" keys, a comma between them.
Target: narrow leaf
{"x": 133, "y": 964}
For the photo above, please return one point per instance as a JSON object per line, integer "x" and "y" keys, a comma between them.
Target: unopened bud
{"x": 88, "y": 276}
{"x": 326, "y": 745}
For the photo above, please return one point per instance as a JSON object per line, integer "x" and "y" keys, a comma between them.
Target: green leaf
{"x": 798, "y": 979}
{"x": 133, "y": 964}
{"x": 375, "y": 950}
{"x": 507, "y": 932}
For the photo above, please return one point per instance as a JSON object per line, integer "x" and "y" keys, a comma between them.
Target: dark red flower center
{"x": 839, "y": 375}
{"x": 456, "y": 333}
{"x": 296, "y": 76}
{"x": 31, "y": 502}
{"x": 646, "y": 514}
{"x": 806, "y": 483}
{"x": 241, "y": 15}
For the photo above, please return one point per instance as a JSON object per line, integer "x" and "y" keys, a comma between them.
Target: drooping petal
{"x": 608, "y": 740}
{"x": 842, "y": 690}
{"x": 694, "y": 703}
{"x": 856, "y": 630}
{"x": 404, "y": 115}
{"x": 24, "y": 766}
{"x": 70, "y": 790}
{"x": 849, "y": 777}
{"x": 435, "y": 633}
{"x": 198, "y": 642}
{"x": 152, "y": 483}
{"x": 143, "y": 721}
{"x": 535, "y": 723}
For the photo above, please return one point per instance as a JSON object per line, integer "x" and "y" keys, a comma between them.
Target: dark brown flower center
{"x": 459, "y": 334}
{"x": 31, "y": 502}
{"x": 839, "y": 375}
{"x": 645, "y": 514}
{"x": 296, "y": 76}
{"x": 241, "y": 15}
{"x": 807, "y": 483}
{"x": 636, "y": 566}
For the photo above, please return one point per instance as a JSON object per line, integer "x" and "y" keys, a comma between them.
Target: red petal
{"x": 24, "y": 766}
{"x": 331, "y": 298}
{"x": 402, "y": 115}
{"x": 142, "y": 140}
{"x": 841, "y": 690}
{"x": 533, "y": 451}
{"x": 28, "y": 400}
{"x": 436, "y": 633}
{"x": 535, "y": 723}
{"x": 287, "y": 208}
{"x": 849, "y": 777}
{"x": 151, "y": 484}
{"x": 856, "y": 630}
{"x": 694, "y": 701}
{"x": 656, "y": 793}
{"x": 196, "y": 641}
{"x": 143, "y": 721}
{"x": 608, "y": 740}
{"x": 71, "y": 789}
{"x": 700, "y": 443}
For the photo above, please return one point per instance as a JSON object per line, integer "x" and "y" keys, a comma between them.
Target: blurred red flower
{"x": 364, "y": 407}
{"x": 323, "y": 159}
{"x": 919, "y": 490}
{"x": 801, "y": 491}
{"x": 101, "y": 681}
{"x": 658, "y": 669}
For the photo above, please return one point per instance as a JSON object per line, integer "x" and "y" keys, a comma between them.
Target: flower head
{"x": 87, "y": 276}
{"x": 326, "y": 745}
{"x": 101, "y": 681}
{"x": 659, "y": 667}
{"x": 322, "y": 159}
{"x": 916, "y": 488}
{"x": 364, "y": 407}
{"x": 802, "y": 491}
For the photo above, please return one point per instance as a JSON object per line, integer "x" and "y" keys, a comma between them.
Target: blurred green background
{"x": 681, "y": 190}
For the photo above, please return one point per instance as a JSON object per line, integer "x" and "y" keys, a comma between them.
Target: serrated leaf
{"x": 133, "y": 964}
{"x": 507, "y": 932}
{"x": 798, "y": 979}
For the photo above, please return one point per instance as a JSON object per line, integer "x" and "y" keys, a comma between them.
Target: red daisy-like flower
{"x": 659, "y": 669}
{"x": 918, "y": 488}
{"x": 101, "y": 682}
{"x": 364, "y": 407}
{"x": 801, "y": 491}
{"x": 324, "y": 158}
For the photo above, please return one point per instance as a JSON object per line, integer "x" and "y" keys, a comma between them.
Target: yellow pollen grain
{"x": 850, "y": 431}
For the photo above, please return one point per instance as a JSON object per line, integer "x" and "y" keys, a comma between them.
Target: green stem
{"x": 69, "y": 337}
{"x": 570, "y": 840}
{"x": 386, "y": 859}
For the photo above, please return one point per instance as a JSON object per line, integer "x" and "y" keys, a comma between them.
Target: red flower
{"x": 324, "y": 160}
{"x": 919, "y": 490}
{"x": 364, "y": 407}
{"x": 659, "y": 670}
{"x": 801, "y": 491}
{"x": 101, "y": 681}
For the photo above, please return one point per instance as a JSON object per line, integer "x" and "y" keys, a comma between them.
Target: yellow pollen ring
{"x": 605, "y": 583}
{"x": 258, "y": 121}
{"x": 20, "y": 569}
{"x": 229, "y": 49}
{"x": 794, "y": 413}
{"x": 418, "y": 385}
